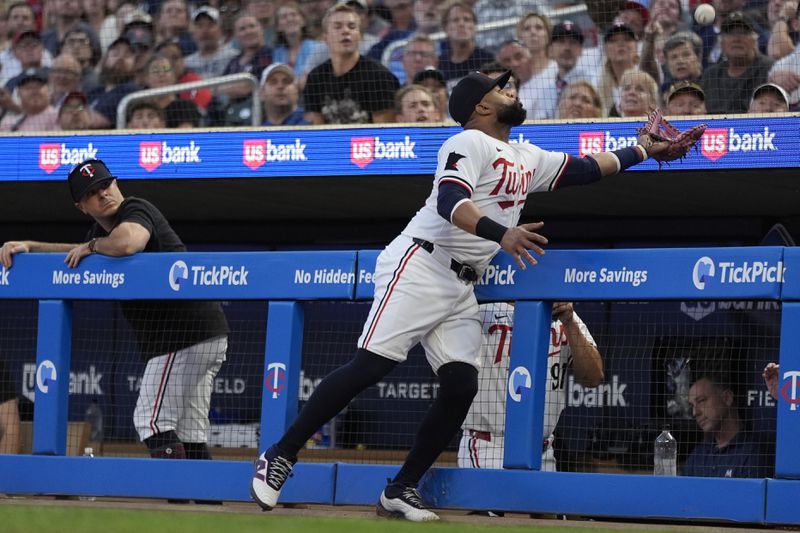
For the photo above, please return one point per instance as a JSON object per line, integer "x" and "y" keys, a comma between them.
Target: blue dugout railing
{"x": 284, "y": 278}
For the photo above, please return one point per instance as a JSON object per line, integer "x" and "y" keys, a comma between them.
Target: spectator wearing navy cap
{"x": 566, "y": 49}
{"x": 620, "y": 48}
{"x": 36, "y": 114}
{"x": 729, "y": 85}
{"x": 433, "y": 80}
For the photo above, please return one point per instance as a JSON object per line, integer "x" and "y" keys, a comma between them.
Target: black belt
{"x": 464, "y": 272}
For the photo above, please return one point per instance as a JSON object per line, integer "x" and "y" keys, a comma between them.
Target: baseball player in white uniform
{"x": 424, "y": 281}
{"x": 571, "y": 346}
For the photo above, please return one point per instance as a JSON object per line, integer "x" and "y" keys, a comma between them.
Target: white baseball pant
{"x": 481, "y": 449}
{"x": 175, "y": 394}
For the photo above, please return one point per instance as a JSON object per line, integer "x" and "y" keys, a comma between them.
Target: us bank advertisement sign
{"x": 731, "y": 143}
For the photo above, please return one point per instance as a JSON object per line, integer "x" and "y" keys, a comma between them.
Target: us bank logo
{"x": 519, "y": 383}
{"x": 703, "y": 272}
{"x": 178, "y": 274}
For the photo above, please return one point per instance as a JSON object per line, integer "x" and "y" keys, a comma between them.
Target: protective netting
{"x": 693, "y": 366}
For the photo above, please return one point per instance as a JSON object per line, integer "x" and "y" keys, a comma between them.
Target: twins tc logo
{"x": 276, "y": 378}
{"x": 789, "y": 390}
{"x": 703, "y": 272}
{"x": 519, "y": 383}
{"x": 178, "y": 274}
{"x": 87, "y": 170}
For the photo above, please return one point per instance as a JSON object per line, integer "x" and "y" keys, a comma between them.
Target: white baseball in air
{"x": 704, "y": 14}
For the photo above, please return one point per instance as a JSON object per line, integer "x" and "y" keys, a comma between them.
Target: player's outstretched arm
{"x": 518, "y": 241}
{"x": 612, "y": 162}
{"x": 587, "y": 363}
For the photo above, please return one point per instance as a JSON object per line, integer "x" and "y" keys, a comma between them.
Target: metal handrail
{"x": 144, "y": 94}
{"x": 486, "y": 26}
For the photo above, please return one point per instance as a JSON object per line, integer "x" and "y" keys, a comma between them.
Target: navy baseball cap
{"x": 87, "y": 175}
{"x": 567, "y": 30}
{"x": 620, "y": 27}
{"x": 470, "y": 91}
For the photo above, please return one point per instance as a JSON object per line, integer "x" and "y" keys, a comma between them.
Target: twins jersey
{"x": 498, "y": 177}
{"x": 488, "y": 410}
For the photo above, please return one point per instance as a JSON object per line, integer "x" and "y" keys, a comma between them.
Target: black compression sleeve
{"x": 449, "y": 195}
{"x": 580, "y": 172}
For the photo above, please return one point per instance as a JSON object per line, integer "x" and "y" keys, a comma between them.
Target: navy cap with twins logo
{"x": 86, "y": 175}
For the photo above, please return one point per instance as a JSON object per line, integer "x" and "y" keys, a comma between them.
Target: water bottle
{"x": 87, "y": 452}
{"x": 665, "y": 457}
{"x": 94, "y": 415}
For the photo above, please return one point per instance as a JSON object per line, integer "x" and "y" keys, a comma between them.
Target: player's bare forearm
{"x": 587, "y": 364}
{"x": 11, "y": 248}
{"x": 466, "y": 216}
{"x": 126, "y": 239}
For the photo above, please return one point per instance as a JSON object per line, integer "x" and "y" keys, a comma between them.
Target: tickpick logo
{"x": 519, "y": 383}
{"x": 789, "y": 390}
{"x": 178, "y": 274}
{"x": 45, "y": 374}
{"x": 703, "y": 272}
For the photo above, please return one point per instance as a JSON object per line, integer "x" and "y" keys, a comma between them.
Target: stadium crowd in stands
{"x": 69, "y": 63}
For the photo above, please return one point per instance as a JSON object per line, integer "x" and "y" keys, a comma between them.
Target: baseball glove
{"x": 658, "y": 130}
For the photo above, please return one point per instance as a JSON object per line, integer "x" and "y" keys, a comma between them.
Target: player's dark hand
{"x": 564, "y": 312}
{"x": 654, "y": 148}
{"x": 521, "y": 240}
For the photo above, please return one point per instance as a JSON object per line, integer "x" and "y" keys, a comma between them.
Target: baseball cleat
{"x": 406, "y": 505}
{"x": 271, "y": 472}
